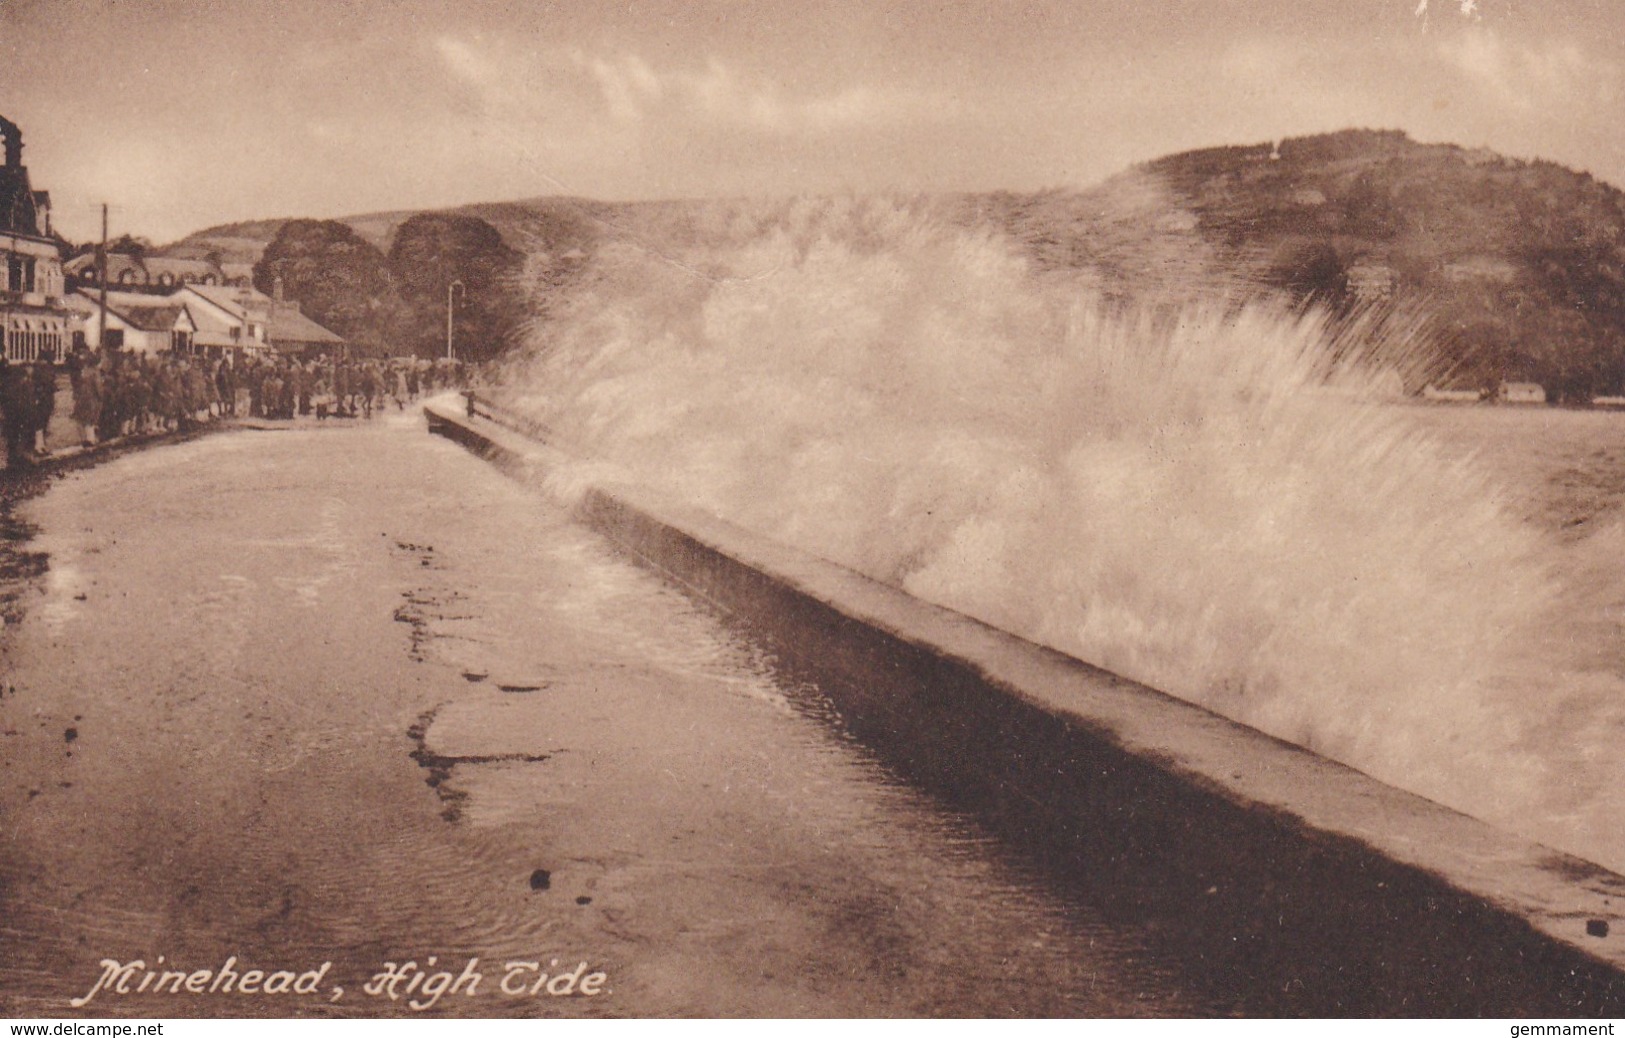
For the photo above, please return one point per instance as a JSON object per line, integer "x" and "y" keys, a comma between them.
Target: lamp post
{"x": 458, "y": 283}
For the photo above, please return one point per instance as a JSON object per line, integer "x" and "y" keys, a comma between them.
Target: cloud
{"x": 626, "y": 83}
{"x": 630, "y": 91}
{"x": 492, "y": 76}
{"x": 1549, "y": 75}
{"x": 723, "y": 97}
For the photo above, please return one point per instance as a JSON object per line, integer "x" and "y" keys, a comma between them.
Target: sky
{"x": 182, "y": 114}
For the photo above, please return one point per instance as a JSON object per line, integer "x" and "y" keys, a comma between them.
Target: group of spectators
{"x": 126, "y": 393}
{"x": 27, "y": 401}
{"x": 331, "y": 388}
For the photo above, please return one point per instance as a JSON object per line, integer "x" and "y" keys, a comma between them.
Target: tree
{"x": 1577, "y": 322}
{"x": 126, "y": 245}
{"x": 433, "y": 250}
{"x": 339, "y": 279}
{"x": 1312, "y": 273}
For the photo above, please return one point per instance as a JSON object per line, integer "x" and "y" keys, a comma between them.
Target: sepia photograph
{"x": 868, "y": 509}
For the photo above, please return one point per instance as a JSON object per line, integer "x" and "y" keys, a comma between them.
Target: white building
{"x": 1370, "y": 281}
{"x": 246, "y": 318}
{"x": 1442, "y": 395}
{"x": 229, "y": 318}
{"x": 135, "y": 321}
{"x": 215, "y": 320}
{"x": 1521, "y": 393}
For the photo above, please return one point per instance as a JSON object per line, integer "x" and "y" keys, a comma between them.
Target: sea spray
{"x": 1217, "y": 497}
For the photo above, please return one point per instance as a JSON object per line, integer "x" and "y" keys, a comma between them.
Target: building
{"x": 232, "y": 318}
{"x": 235, "y": 320}
{"x": 1485, "y": 269}
{"x": 214, "y": 320}
{"x": 1443, "y": 395}
{"x": 1521, "y": 393}
{"x": 137, "y": 322}
{"x": 1370, "y": 281}
{"x": 199, "y": 317}
{"x": 219, "y": 331}
{"x": 33, "y": 317}
{"x": 132, "y": 272}
{"x": 124, "y": 271}
{"x": 294, "y": 334}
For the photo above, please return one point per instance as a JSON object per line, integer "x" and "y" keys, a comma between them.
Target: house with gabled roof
{"x": 141, "y": 323}
{"x": 33, "y": 319}
{"x": 232, "y": 318}
{"x": 132, "y": 272}
{"x": 293, "y": 333}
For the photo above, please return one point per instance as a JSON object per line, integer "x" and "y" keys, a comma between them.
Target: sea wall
{"x": 1263, "y": 872}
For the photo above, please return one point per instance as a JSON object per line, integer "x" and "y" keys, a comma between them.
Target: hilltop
{"x": 564, "y": 222}
{"x": 1521, "y": 264}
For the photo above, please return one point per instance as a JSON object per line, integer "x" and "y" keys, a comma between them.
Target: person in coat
{"x": 44, "y": 403}
{"x": 17, "y": 412}
{"x": 87, "y": 399}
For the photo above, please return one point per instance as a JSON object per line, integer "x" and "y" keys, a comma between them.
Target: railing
{"x": 483, "y": 407}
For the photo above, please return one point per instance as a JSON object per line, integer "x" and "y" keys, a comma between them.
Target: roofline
{"x": 41, "y": 238}
{"x": 218, "y": 306}
{"x": 121, "y": 315}
{"x": 36, "y": 311}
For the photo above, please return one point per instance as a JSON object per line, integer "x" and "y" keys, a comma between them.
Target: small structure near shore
{"x": 1521, "y": 393}
{"x": 1435, "y": 394}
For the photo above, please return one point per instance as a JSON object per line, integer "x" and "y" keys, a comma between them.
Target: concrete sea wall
{"x": 1268, "y": 875}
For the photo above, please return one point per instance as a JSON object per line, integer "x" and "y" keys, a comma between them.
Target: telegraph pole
{"x": 101, "y": 277}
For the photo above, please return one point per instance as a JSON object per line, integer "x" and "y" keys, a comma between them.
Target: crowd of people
{"x": 27, "y": 401}
{"x": 124, "y": 393}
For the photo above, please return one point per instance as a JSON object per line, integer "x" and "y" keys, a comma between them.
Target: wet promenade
{"x": 346, "y": 697}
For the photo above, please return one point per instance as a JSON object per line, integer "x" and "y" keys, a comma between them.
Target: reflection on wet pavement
{"x": 351, "y": 697}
